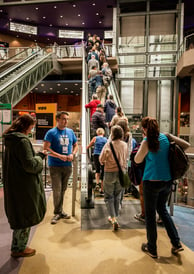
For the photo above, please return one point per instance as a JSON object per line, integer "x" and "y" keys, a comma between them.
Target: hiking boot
{"x": 26, "y": 253}
{"x": 139, "y": 217}
{"x": 144, "y": 248}
{"x": 55, "y": 219}
{"x": 64, "y": 215}
{"x": 176, "y": 249}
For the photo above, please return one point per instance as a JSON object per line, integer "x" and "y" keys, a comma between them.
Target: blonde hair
{"x": 100, "y": 131}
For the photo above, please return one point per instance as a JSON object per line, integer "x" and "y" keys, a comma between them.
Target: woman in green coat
{"x": 24, "y": 197}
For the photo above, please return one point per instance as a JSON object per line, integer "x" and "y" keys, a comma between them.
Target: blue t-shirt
{"x": 98, "y": 146}
{"x": 62, "y": 142}
{"x": 157, "y": 164}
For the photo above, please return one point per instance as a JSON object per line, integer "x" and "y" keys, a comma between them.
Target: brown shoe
{"x": 26, "y": 253}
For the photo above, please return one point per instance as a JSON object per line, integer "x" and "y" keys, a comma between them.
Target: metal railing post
{"x": 74, "y": 184}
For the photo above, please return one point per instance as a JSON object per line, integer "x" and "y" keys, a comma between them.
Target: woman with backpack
{"x": 157, "y": 183}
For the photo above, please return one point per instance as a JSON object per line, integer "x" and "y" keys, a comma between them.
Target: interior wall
{"x": 68, "y": 103}
{"x": 18, "y": 42}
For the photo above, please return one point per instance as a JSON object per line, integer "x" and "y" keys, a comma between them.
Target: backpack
{"x": 136, "y": 170}
{"x": 179, "y": 161}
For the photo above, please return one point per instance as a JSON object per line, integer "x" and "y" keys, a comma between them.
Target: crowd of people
{"x": 99, "y": 71}
{"x": 25, "y": 203}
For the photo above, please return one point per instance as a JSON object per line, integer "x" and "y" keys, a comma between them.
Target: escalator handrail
{"x": 19, "y": 64}
{"x": 39, "y": 60}
{"x": 10, "y": 59}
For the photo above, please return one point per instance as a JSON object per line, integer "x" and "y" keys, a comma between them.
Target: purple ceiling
{"x": 89, "y": 16}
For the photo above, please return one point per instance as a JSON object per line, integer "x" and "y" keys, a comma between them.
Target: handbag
{"x": 123, "y": 176}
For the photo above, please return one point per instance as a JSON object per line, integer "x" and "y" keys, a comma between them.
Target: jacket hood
{"x": 111, "y": 103}
{"x": 13, "y": 137}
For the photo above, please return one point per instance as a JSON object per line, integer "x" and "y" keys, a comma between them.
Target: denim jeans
{"x": 112, "y": 192}
{"x": 19, "y": 239}
{"x": 155, "y": 197}
{"x": 59, "y": 179}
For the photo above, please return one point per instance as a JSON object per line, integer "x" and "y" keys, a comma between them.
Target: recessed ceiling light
{"x": 1, "y": 10}
{"x": 71, "y": 91}
{"x": 100, "y": 22}
{"x": 76, "y": 84}
{"x": 66, "y": 24}
{"x": 42, "y": 85}
{"x": 78, "y": 15}
{"x": 51, "y": 88}
{"x": 97, "y": 13}
{"x": 55, "y": 7}
{"x": 93, "y": 4}
{"x": 36, "y": 88}
{"x": 74, "y": 5}
{"x": 83, "y": 23}
{"x": 36, "y": 8}
{"x": 66, "y": 88}
{"x": 27, "y": 18}
{"x": 58, "y": 85}
{"x": 44, "y": 17}
{"x": 77, "y": 94}
{"x": 58, "y": 91}
{"x": 44, "y": 91}
{"x": 35, "y": 40}
{"x": 50, "y": 25}
{"x": 61, "y": 16}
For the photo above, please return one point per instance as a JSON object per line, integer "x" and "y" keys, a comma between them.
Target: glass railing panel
{"x": 162, "y": 58}
{"x": 156, "y": 71}
{"x": 132, "y": 60}
{"x": 131, "y": 44}
{"x": 67, "y": 51}
{"x": 132, "y": 72}
{"x": 162, "y": 43}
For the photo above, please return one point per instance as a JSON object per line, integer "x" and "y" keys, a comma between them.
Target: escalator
{"x": 20, "y": 78}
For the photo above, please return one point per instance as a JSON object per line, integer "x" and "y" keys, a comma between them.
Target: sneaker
{"x": 140, "y": 217}
{"x": 144, "y": 248}
{"x": 55, "y": 219}
{"x": 176, "y": 249}
{"x": 26, "y": 253}
{"x": 64, "y": 215}
{"x": 110, "y": 219}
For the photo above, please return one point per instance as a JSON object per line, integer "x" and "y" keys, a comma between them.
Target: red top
{"x": 92, "y": 105}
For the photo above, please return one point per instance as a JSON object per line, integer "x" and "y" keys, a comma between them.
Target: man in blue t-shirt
{"x": 61, "y": 143}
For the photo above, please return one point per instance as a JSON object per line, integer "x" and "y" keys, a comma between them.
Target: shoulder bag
{"x": 123, "y": 176}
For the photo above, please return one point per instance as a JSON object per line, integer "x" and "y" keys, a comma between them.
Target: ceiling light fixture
{"x": 44, "y": 17}
{"x": 74, "y": 5}
{"x": 78, "y": 15}
{"x": 97, "y": 13}
{"x": 36, "y": 8}
{"x": 55, "y": 7}
{"x": 93, "y": 4}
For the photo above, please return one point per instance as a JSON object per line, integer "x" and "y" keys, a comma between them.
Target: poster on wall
{"x": 43, "y": 124}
